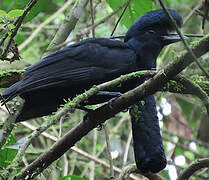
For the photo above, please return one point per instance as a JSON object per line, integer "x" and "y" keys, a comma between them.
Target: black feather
{"x": 157, "y": 20}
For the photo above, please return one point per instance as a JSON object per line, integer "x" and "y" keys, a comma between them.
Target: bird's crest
{"x": 157, "y": 19}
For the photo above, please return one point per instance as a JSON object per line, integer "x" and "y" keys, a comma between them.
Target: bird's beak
{"x": 172, "y": 38}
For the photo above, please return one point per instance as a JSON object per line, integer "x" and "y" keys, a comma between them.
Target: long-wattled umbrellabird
{"x": 76, "y": 68}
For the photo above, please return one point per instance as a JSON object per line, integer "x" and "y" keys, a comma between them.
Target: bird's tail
{"x": 147, "y": 140}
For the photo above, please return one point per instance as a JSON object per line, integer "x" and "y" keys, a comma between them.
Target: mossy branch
{"x": 68, "y": 24}
{"x": 197, "y": 165}
{"x": 9, "y": 77}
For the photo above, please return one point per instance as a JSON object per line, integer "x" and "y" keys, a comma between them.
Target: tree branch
{"x": 199, "y": 164}
{"x": 69, "y": 24}
{"x": 9, "y": 77}
{"x": 133, "y": 169}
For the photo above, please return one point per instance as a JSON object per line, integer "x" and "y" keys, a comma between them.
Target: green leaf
{"x": 165, "y": 174}
{"x": 6, "y": 154}
{"x": 135, "y": 9}
{"x": 11, "y": 26}
{"x": 17, "y": 144}
{"x": 189, "y": 155}
{"x": 188, "y": 109}
{"x": 11, "y": 140}
{"x": 15, "y": 13}
{"x": 71, "y": 177}
{"x": 3, "y": 13}
{"x": 13, "y": 4}
{"x": 19, "y": 38}
{"x": 40, "y": 6}
{"x": 178, "y": 151}
{"x": 21, "y": 4}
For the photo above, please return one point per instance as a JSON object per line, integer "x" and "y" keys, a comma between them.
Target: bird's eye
{"x": 150, "y": 32}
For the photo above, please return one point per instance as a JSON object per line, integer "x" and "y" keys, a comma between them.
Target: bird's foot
{"x": 107, "y": 93}
{"x": 115, "y": 95}
{"x": 86, "y": 119}
{"x": 112, "y": 100}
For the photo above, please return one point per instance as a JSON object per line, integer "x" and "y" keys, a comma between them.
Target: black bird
{"x": 76, "y": 68}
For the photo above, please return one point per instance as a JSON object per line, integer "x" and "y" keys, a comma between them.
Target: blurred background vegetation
{"x": 183, "y": 118}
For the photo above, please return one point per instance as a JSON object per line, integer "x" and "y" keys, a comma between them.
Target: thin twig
{"x": 109, "y": 151}
{"x": 182, "y": 146}
{"x": 60, "y": 127}
{"x": 92, "y": 18}
{"x": 206, "y": 8}
{"x": 32, "y": 136}
{"x": 118, "y": 125}
{"x": 125, "y": 157}
{"x": 79, "y": 151}
{"x": 192, "y": 12}
{"x": 199, "y": 142}
{"x": 89, "y": 28}
{"x": 73, "y": 164}
{"x": 92, "y": 174}
{"x": 183, "y": 40}
{"x": 47, "y": 21}
{"x": 131, "y": 168}
{"x": 201, "y": 14}
{"x": 65, "y": 165}
{"x": 19, "y": 22}
{"x": 124, "y": 10}
{"x": 8, "y": 125}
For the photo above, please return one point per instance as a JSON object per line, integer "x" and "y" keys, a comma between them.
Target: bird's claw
{"x": 86, "y": 118}
{"x": 99, "y": 127}
{"x": 113, "y": 99}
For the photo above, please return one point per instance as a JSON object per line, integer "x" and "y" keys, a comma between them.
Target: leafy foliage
{"x": 134, "y": 11}
{"x": 8, "y": 154}
{"x": 15, "y": 13}
{"x": 14, "y": 6}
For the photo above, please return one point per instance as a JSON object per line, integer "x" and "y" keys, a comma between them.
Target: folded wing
{"x": 91, "y": 61}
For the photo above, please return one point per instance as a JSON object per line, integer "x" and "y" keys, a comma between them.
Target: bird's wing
{"x": 87, "y": 61}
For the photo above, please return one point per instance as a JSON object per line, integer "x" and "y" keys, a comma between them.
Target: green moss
{"x": 135, "y": 113}
{"x": 204, "y": 85}
{"x": 142, "y": 103}
{"x": 196, "y": 78}
{"x": 10, "y": 72}
{"x": 178, "y": 87}
{"x": 195, "y": 44}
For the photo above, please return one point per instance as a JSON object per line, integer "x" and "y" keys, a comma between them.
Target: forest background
{"x": 52, "y": 24}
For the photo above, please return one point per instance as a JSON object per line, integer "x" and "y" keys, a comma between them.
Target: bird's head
{"x": 155, "y": 26}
